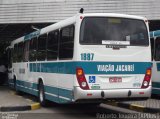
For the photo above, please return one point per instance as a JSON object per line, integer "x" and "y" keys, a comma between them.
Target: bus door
{"x": 32, "y": 65}
{"x": 25, "y": 64}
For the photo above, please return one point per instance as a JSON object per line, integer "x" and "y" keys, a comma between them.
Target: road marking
{"x": 35, "y": 106}
{"x": 13, "y": 92}
{"x": 112, "y": 103}
{"x": 139, "y": 108}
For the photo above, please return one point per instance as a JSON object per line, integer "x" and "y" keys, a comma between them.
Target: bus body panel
{"x": 155, "y": 39}
{"x": 125, "y": 69}
{"x": 109, "y": 72}
{"x": 155, "y": 77}
{"x": 112, "y": 94}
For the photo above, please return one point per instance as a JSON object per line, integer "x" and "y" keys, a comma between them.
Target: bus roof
{"x": 114, "y": 15}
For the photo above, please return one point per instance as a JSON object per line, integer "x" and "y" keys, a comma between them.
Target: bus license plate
{"x": 115, "y": 79}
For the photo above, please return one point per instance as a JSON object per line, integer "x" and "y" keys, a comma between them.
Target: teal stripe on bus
{"x": 156, "y": 85}
{"x": 90, "y": 67}
{"x": 27, "y": 87}
{"x": 155, "y": 91}
{"x": 158, "y": 66}
{"x": 31, "y": 87}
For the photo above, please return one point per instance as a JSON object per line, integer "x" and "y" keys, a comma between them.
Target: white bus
{"x": 155, "y": 47}
{"x": 85, "y": 58}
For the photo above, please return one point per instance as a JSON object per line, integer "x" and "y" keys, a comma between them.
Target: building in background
{"x": 18, "y": 16}
{"x": 40, "y": 11}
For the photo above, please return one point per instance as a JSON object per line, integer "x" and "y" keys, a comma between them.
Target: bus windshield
{"x": 103, "y": 30}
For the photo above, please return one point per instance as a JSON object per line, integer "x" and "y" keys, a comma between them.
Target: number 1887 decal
{"x": 87, "y": 56}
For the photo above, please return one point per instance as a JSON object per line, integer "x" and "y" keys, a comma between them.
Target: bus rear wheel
{"x": 41, "y": 94}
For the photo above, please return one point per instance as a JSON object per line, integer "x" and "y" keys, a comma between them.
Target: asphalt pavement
{"x": 103, "y": 111}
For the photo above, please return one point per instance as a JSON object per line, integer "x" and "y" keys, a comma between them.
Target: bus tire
{"x": 41, "y": 95}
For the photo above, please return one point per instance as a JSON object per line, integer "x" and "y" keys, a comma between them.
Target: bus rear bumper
{"x": 80, "y": 94}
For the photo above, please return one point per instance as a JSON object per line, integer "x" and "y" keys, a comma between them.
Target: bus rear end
{"x": 113, "y": 58}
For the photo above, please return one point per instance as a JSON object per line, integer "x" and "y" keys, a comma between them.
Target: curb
{"x": 134, "y": 107}
{"x": 21, "y": 108}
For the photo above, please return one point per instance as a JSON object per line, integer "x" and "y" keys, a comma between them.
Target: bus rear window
{"x": 98, "y": 30}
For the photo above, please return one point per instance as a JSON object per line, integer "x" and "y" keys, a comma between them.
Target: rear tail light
{"x": 147, "y": 78}
{"x": 81, "y": 79}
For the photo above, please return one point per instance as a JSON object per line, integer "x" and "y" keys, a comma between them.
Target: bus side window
{"x": 32, "y": 49}
{"x": 41, "y": 51}
{"x": 15, "y": 53}
{"x": 152, "y": 48}
{"x": 66, "y": 42}
{"x": 20, "y": 52}
{"x": 52, "y": 45}
{"x": 26, "y": 51}
{"x": 157, "y": 49}
{"x": 9, "y": 57}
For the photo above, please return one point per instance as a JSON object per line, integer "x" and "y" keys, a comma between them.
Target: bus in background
{"x": 85, "y": 58}
{"x": 155, "y": 49}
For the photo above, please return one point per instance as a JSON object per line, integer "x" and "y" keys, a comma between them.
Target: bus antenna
{"x": 81, "y": 10}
